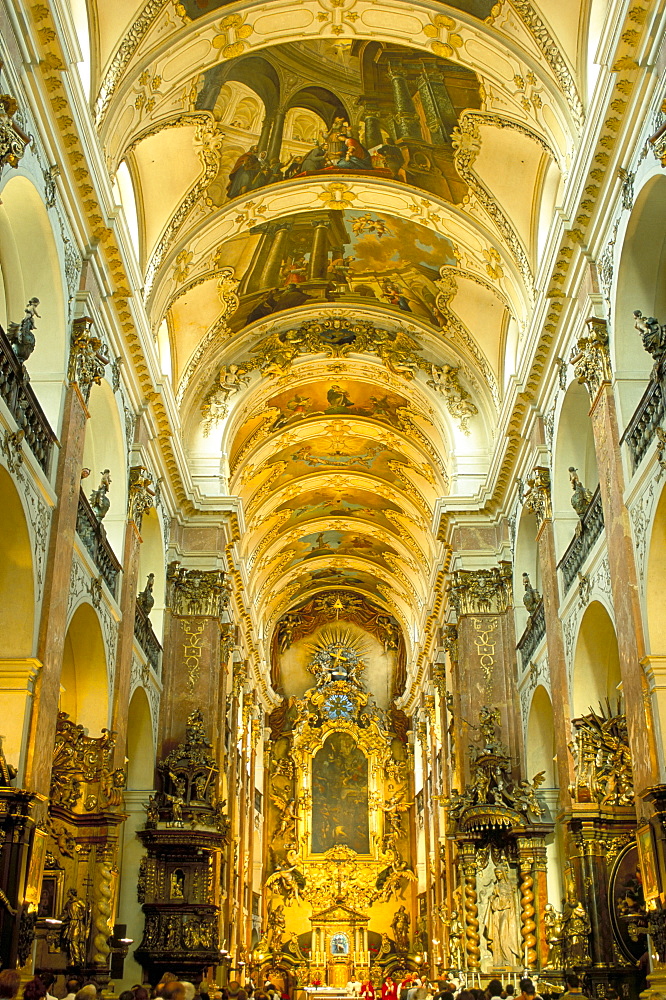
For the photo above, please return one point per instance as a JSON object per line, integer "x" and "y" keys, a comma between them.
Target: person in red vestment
{"x": 367, "y": 990}
{"x": 389, "y": 989}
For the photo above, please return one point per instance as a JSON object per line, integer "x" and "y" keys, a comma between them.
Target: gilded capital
{"x": 87, "y": 356}
{"x": 482, "y": 591}
{"x": 195, "y": 591}
{"x": 450, "y": 641}
{"x": 13, "y": 140}
{"x": 140, "y": 497}
{"x": 591, "y": 357}
{"x": 538, "y": 498}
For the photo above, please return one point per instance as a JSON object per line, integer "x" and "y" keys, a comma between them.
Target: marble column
{"x": 139, "y": 501}
{"x": 86, "y": 367}
{"x": 266, "y": 127}
{"x": 538, "y": 500}
{"x": 486, "y": 645}
{"x": 319, "y": 252}
{"x": 191, "y": 658}
{"x": 406, "y": 119}
{"x": 591, "y": 361}
{"x": 276, "y": 254}
{"x": 277, "y": 130}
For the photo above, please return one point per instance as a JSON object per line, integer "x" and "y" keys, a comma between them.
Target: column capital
{"x": 538, "y": 496}
{"x": 482, "y": 591}
{"x": 88, "y": 356}
{"x": 140, "y": 497}
{"x": 197, "y": 592}
{"x": 590, "y": 356}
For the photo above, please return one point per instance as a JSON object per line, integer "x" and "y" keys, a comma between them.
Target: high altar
{"x": 341, "y": 839}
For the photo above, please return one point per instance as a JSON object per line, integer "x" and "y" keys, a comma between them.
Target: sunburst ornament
{"x": 337, "y": 655}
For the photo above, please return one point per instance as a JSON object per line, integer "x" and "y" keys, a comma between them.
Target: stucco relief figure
{"x": 75, "y": 929}
{"x": 500, "y": 925}
{"x": 400, "y": 928}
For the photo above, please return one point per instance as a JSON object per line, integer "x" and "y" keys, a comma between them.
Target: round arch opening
{"x": 596, "y": 675}
{"x": 17, "y": 611}
{"x": 84, "y": 693}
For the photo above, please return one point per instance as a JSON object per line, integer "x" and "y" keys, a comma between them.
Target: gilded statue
{"x": 99, "y": 498}
{"x": 287, "y": 808}
{"x": 400, "y": 927}
{"x": 276, "y": 928}
{"x": 74, "y": 929}
{"x": 576, "y": 930}
{"x": 500, "y": 925}
{"x": 456, "y": 934}
{"x": 553, "y": 928}
{"x": 393, "y": 809}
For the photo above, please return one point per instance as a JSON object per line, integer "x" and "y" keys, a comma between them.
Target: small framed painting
{"x": 648, "y": 862}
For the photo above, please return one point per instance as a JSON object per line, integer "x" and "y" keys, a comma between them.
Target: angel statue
{"x": 287, "y": 809}
{"x": 287, "y": 880}
{"x": 525, "y": 794}
{"x": 393, "y": 809}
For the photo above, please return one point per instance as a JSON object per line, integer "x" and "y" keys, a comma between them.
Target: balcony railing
{"x": 22, "y": 403}
{"x": 144, "y": 635}
{"x": 591, "y": 526}
{"x": 93, "y": 536}
{"x": 532, "y": 636}
{"x": 649, "y": 414}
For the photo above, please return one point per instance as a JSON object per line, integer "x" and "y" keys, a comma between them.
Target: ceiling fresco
{"x": 342, "y": 257}
{"x": 386, "y": 112}
{"x": 339, "y": 214}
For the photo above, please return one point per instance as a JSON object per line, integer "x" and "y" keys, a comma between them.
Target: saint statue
{"x": 74, "y": 929}
{"x": 576, "y": 929}
{"x": 400, "y": 928}
{"x": 456, "y": 933}
{"x": 553, "y": 927}
{"x": 500, "y": 927}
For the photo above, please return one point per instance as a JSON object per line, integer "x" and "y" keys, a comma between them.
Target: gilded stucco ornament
{"x": 88, "y": 356}
{"x": 591, "y": 357}
{"x": 444, "y": 379}
{"x": 537, "y": 498}
{"x": 493, "y": 798}
{"x": 602, "y": 759}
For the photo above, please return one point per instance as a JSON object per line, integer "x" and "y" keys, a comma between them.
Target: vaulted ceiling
{"x": 340, "y": 209}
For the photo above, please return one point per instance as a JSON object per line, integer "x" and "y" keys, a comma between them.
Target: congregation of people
{"x": 420, "y": 988}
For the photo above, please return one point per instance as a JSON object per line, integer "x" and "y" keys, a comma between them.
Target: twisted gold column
{"x": 527, "y": 922}
{"x": 472, "y": 946}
